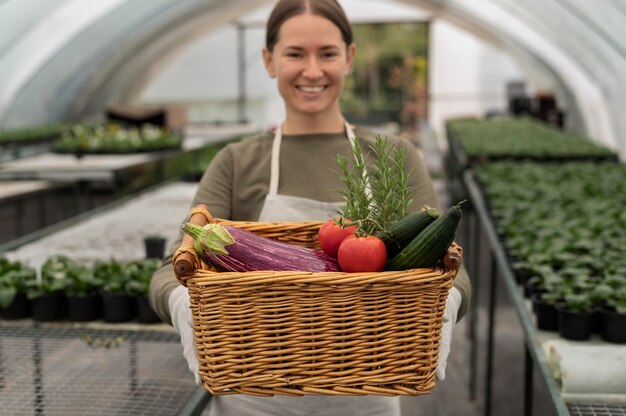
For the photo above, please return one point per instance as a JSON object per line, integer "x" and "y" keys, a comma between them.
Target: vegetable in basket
{"x": 402, "y": 232}
{"x": 430, "y": 246}
{"x": 232, "y": 249}
{"x": 362, "y": 254}
{"x": 332, "y": 233}
{"x": 376, "y": 196}
{"x": 377, "y": 199}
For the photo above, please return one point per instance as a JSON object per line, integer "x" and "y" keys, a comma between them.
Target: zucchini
{"x": 232, "y": 249}
{"x": 402, "y": 232}
{"x": 429, "y": 247}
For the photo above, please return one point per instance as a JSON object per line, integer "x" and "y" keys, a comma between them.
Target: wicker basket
{"x": 296, "y": 333}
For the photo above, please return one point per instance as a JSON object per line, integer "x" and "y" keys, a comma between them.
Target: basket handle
{"x": 185, "y": 259}
{"x": 453, "y": 258}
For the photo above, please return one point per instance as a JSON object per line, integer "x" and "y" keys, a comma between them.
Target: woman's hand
{"x": 180, "y": 312}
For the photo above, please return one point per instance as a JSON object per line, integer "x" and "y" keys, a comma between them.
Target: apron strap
{"x": 275, "y": 161}
{"x": 350, "y": 134}
{"x": 275, "y": 157}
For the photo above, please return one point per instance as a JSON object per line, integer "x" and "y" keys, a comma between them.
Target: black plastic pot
{"x": 596, "y": 321}
{"x": 546, "y": 313}
{"x": 155, "y": 247}
{"x": 84, "y": 308}
{"x": 531, "y": 289}
{"x": 117, "y": 307}
{"x": 576, "y": 326}
{"x": 522, "y": 274}
{"x": 145, "y": 313}
{"x": 613, "y": 326}
{"x": 20, "y": 308}
{"x": 50, "y": 307}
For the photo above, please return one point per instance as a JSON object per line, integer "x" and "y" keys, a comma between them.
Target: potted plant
{"x": 47, "y": 292}
{"x": 140, "y": 273}
{"x": 599, "y": 295}
{"x": 543, "y": 278}
{"x": 576, "y": 316}
{"x": 117, "y": 305}
{"x": 14, "y": 304}
{"x": 544, "y": 305}
{"x": 613, "y": 316}
{"x": 83, "y": 297}
{"x": 522, "y": 272}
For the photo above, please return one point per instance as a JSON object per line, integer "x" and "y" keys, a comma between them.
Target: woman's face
{"x": 310, "y": 62}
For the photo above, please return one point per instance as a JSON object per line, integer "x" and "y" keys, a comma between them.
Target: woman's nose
{"x": 312, "y": 68}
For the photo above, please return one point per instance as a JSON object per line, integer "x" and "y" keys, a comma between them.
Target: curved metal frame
{"x": 577, "y": 47}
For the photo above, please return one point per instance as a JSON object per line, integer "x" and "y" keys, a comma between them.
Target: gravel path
{"x": 116, "y": 233}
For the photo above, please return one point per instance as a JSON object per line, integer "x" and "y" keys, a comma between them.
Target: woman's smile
{"x": 311, "y": 89}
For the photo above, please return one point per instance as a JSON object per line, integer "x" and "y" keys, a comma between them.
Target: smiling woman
{"x": 289, "y": 175}
{"x": 310, "y": 62}
{"x": 310, "y": 58}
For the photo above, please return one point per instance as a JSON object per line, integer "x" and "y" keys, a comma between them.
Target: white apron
{"x": 292, "y": 208}
{"x": 289, "y": 208}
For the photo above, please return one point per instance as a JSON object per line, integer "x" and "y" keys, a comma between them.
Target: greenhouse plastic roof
{"x": 69, "y": 59}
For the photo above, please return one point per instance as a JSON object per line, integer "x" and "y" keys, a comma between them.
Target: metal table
{"x": 27, "y": 206}
{"x": 500, "y": 270}
{"x": 94, "y": 369}
{"x": 596, "y": 410}
{"x": 118, "y": 173}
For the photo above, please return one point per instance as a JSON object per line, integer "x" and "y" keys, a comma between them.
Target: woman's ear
{"x": 269, "y": 62}
{"x": 350, "y": 57}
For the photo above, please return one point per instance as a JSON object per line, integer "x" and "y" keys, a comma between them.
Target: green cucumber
{"x": 429, "y": 247}
{"x": 402, "y": 232}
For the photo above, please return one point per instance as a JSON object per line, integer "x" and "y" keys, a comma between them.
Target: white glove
{"x": 180, "y": 312}
{"x": 453, "y": 303}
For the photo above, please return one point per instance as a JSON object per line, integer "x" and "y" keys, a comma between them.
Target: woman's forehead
{"x": 305, "y": 29}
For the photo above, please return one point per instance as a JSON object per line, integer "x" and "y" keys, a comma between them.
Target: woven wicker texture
{"x": 296, "y": 333}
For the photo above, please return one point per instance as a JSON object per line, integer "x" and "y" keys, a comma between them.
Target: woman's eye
{"x": 329, "y": 55}
{"x": 294, "y": 54}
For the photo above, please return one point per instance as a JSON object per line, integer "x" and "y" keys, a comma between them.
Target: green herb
{"x": 14, "y": 279}
{"x": 379, "y": 195}
{"x": 357, "y": 199}
{"x": 55, "y": 277}
{"x": 115, "y": 138}
{"x": 578, "y": 302}
{"x": 618, "y": 300}
{"x": 82, "y": 281}
{"x": 113, "y": 276}
{"x": 519, "y": 138}
{"x": 139, "y": 276}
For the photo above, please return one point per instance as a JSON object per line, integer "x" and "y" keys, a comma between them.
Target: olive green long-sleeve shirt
{"x": 236, "y": 182}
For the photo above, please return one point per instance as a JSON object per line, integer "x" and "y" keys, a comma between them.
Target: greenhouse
{"x": 321, "y": 207}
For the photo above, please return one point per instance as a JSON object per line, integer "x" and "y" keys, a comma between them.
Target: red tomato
{"x": 362, "y": 254}
{"x": 332, "y": 234}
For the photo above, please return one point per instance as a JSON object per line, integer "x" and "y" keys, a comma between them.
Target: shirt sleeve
{"x": 214, "y": 190}
{"x": 216, "y": 186}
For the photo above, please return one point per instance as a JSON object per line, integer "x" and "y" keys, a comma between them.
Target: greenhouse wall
{"x": 467, "y": 77}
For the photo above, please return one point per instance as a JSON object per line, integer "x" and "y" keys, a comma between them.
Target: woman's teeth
{"x": 311, "y": 90}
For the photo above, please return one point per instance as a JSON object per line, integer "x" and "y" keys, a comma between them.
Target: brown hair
{"x": 284, "y": 9}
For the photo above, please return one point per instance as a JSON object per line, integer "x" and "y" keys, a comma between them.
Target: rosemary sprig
{"x": 355, "y": 194}
{"x": 379, "y": 195}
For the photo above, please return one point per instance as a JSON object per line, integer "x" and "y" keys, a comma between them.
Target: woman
{"x": 292, "y": 175}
